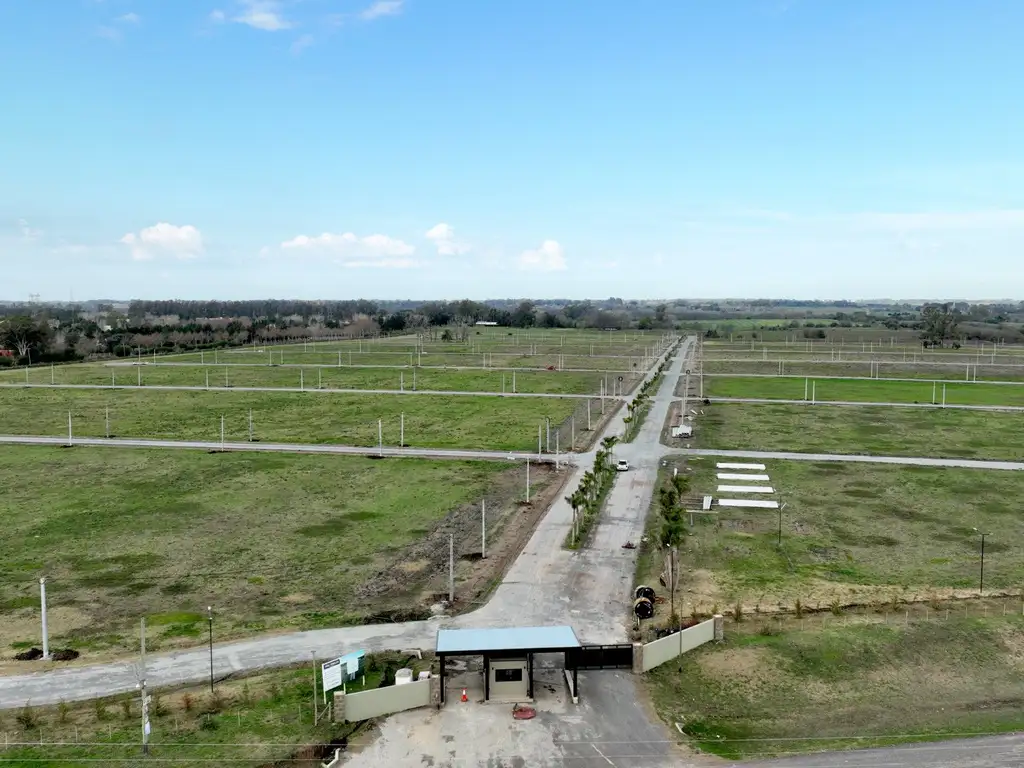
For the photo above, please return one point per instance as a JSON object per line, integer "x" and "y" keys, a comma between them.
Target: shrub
{"x": 100, "y": 707}
{"x": 188, "y": 701}
{"x": 246, "y": 696}
{"x": 26, "y": 718}
{"x": 63, "y": 711}
{"x": 798, "y": 609}
{"x": 836, "y": 607}
{"x": 208, "y": 723}
{"x": 126, "y": 709}
{"x": 275, "y": 692}
{"x": 214, "y": 703}
{"x": 737, "y": 612}
{"x": 157, "y": 706}
{"x": 766, "y": 629}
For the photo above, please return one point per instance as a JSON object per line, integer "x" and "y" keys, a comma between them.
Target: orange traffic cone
{"x": 464, "y": 697}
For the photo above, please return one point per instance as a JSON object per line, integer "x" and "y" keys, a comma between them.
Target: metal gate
{"x": 600, "y": 657}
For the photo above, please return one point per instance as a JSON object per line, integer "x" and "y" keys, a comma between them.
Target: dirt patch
{"x": 296, "y": 598}
{"x": 418, "y": 575}
{"x": 743, "y": 665}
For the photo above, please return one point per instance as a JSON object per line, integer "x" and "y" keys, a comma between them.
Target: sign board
{"x": 332, "y": 671}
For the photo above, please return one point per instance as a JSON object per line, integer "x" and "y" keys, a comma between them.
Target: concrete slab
{"x": 740, "y": 476}
{"x": 738, "y": 465}
{"x": 748, "y": 503}
{"x": 745, "y": 489}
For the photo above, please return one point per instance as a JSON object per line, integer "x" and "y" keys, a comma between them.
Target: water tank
{"x": 403, "y": 676}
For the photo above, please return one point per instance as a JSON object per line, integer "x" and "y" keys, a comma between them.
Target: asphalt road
{"x": 940, "y": 406}
{"x": 349, "y": 450}
{"x": 313, "y": 390}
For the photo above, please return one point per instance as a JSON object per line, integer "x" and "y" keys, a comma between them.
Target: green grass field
{"x": 610, "y": 361}
{"x": 265, "y": 719}
{"x": 957, "y": 373}
{"x": 846, "y": 687}
{"x": 270, "y": 540}
{"x": 852, "y": 526}
{"x": 856, "y": 390}
{"x": 554, "y": 382}
{"x": 861, "y": 429}
{"x": 430, "y": 420}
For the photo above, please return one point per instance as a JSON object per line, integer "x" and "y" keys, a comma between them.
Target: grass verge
{"x": 272, "y": 541}
{"x": 861, "y": 430}
{"x": 760, "y": 695}
{"x": 430, "y": 420}
{"x": 855, "y": 390}
{"x": 262, "y": 720}
{"x": 853, "y": 533}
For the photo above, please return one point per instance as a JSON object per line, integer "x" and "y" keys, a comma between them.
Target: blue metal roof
{"x": 473, "y": 641}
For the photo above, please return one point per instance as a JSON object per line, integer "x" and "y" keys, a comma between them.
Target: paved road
{"x": 911, "y": 461}
{"x": 349, "y": 450}
{"x": 940, "y": 406}
{"x": 545, "y": 585}
{"x": 323, "y": 390}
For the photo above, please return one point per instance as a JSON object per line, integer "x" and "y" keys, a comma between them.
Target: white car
{"x": 622, "y": 466}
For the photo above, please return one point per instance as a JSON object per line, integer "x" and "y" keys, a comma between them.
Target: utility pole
{"x": 142, "y": 685}
{"x": 401, "y": 431}
{"x": 106, "y": 420}
{"x": 483, "y": 529}
{"x": 588, "y": 415}
{"x": 527, "y": 480}
{"x": 451, "y": 568}
{"x": 316, "y": 715}
{"x": 981, "y": 581}
{"x": 380, "y": 437}
{"x": 572, "y": 432}
{"x": 513, "y": 381}
{"x": 42, "y": 602}
{"x": 302, "y": 380}
{"x": 209, "y": 619}
{"x": 540, "y": 443}
{"x": 70, "y": 437}
{"x": 547, "y": 441}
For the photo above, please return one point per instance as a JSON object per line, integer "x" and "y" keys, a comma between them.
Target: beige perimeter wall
{"x": 384, "y": 701}
{"x": 667, "y": 648}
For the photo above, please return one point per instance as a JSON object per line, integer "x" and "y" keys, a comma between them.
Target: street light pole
{"x": 209, "y": 615}
{"x": 981, "y": 579}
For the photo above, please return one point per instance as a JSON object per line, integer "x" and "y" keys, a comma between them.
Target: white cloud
{"x": 217, "y": 16}
{"x": 27, "y": 233}
{"x": 301, "y": 44}
{"x": 263, "y": 14}
{"x": 353, "y": 251}
{"x": 129, "y": 18}
{"x": 443, "y": 237}
{"x": 550, "y": 257}
{"x": 382, "y": 8}
{"x": 184, "y": 242}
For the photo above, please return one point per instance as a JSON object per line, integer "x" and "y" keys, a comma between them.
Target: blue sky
{"x": 505, "y": 148}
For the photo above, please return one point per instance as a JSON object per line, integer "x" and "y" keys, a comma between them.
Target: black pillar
{"x": 487, "y": 677}
{"x": 575, "y": 683}
{"x": 529, "y": 671}
{"x": 441, "y": 657}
